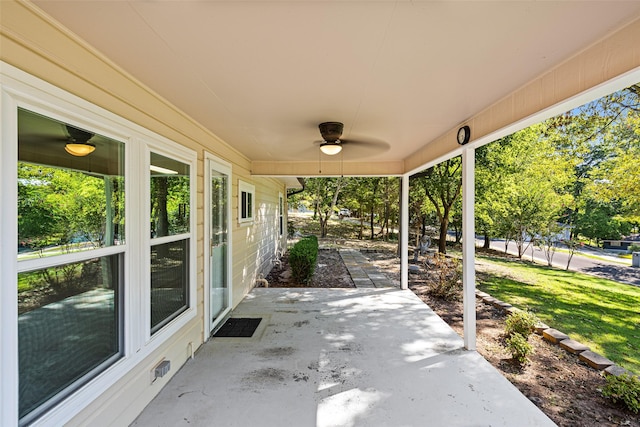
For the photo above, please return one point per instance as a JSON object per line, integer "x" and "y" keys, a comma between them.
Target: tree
{"x": 390, "y": 208}
{"x": 616, "y": 177}
{"x": 57, "y": 206}
{"x": 325, "y": 193}
{"x": 494, "y": 167}
{"x": 522, "y": 183}
{"x": 602, "y": 137}
{"x": 601, "y": 221}
{"x": 547, "y": 241}
{"x": 442, "y": 186}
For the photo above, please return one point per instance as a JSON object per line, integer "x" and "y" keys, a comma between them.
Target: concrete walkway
{"x": 362, "y": 272}
{"x": 339, "y": 357}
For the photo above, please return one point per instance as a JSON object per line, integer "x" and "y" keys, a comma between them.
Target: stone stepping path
{"x": 362, "y": 272}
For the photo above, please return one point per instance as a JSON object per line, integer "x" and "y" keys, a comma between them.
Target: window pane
{"x": 244, "y": 205}
{"x": 169, "y": 281}
{"x": 67, "y": 203}
{"x": 170, "y": 196}
{"x": 69, "y": 324}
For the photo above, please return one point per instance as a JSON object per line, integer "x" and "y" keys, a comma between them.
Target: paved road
{"x": 606, "y": 267}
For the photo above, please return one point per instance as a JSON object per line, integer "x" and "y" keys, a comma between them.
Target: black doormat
{"x": 238, "y": 327}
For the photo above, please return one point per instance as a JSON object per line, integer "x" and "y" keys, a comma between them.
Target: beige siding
{"x": 327, "y": 168}
{"x": 254, "y": 244}
{"x": 36, "y": 45}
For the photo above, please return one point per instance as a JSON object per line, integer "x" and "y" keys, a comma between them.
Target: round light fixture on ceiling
{"x": 79, "y": 149}
{"x": 331, "y": 148}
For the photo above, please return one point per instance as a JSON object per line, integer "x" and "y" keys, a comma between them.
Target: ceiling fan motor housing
{"x": 331, "y": 131}
{"x": 78, "y": 135}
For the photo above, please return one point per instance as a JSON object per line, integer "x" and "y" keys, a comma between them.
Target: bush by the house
{"x": 625, "y": 389}
{"x": 302, "y": 259}
{"x": 520, "y": 322}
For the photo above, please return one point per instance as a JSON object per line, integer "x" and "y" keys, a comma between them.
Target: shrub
{"x": 624, "y": 388}
{"x": 302, "y": 259}
{"x": 518, "y": 347}
{"x": 520, "y": 322}
{"x": 634, "y": 248}
{"x": 448, "y": 283}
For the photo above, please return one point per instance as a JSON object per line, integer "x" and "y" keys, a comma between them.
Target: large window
{"x": 70, "y": 258}
{"x": 170, "y": 218}
{"x": 98, "y": 262}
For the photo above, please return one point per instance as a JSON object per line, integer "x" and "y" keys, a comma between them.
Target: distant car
{"x": 344, "y": 212}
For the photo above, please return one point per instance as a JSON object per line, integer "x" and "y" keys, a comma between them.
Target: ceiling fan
{"x": 331, "y": 133}
{"x": 332, "y": 142}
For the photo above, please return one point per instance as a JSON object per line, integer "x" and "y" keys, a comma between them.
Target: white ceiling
{"x": 263, "y": 74}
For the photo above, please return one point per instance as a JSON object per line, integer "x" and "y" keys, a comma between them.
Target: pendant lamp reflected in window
{"x": 78, "y": 144}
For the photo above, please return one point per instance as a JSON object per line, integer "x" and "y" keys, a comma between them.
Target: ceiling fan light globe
{"x": 330, "y": 149}
{"x": 79, "y": 150}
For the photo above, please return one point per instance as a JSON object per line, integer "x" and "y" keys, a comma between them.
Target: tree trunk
{"x": 487, "y": 242}
{"x": 442, "y": 244}
{"x": 162, "y": 227}
{"x": 323, "y": 224}
{"x": 371, "y": 223}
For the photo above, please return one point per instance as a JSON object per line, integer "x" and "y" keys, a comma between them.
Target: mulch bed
{"x": 330, "y": 273}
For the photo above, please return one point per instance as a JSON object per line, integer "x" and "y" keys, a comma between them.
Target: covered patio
{"x": 340, "y": 357}
{"x": 237, "y": 92}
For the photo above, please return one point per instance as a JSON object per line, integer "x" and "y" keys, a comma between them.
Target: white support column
{"x": 468, "y": 248}
{"x": 404, "y": 237}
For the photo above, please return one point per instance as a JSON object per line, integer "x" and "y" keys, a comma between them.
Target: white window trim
{"x": 20, "y": 89}
{"x": 245, "y": 187}
{"x": 168, "y": 148}
{"x": 174, "y": 151}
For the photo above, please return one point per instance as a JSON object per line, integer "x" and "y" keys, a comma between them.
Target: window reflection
{"x": 169, "y": 281}
{"x": 68, "y": 326}
{"x": 66, "y": 203}
{"x": 170, "y": 196}
{"x": 69, "y": 308}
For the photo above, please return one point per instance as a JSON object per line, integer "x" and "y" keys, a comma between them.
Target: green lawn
{"x": 599, "y": 313}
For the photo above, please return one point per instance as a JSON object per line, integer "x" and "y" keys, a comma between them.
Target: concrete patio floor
{"x": 340, "y": 357}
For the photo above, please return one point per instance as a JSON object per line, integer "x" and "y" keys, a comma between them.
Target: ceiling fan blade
{"x": 355, "y": 149}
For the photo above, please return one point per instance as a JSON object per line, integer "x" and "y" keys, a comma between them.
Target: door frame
{"x": 211, "y": 161}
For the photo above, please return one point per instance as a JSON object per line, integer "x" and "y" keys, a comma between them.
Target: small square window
{"x": 246, "y": 201}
